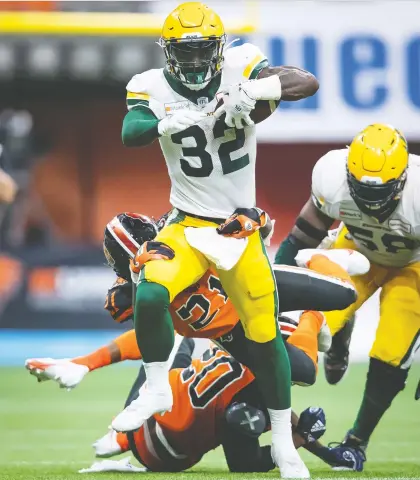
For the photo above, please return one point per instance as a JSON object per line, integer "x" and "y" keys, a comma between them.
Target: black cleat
{"x": 336, "y": 360}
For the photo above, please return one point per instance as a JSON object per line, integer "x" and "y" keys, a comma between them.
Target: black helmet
{"x": 123, "y": 236}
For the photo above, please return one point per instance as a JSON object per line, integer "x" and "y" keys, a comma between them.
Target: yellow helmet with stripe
{"x": 376, "y": 169}
{"x": 193, "y": 37}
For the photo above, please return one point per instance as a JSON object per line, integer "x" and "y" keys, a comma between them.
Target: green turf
{"x": 46, "y": 432}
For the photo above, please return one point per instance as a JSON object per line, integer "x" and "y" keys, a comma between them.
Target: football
{"x": 263, "y": 109}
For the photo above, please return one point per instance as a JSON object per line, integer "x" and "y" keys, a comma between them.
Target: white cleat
{"x": 353, "y": 262}
{"x": 288, "y": 460}
{"x": 66, "y": 373}
{"x": 142, "y": 408}
{"x": 107, "y": 446}
{"x": 324, "y": 337}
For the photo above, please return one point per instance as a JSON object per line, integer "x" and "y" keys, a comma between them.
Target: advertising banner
{"x": 366, "y": 56}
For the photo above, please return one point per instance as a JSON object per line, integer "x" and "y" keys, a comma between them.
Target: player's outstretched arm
{"x": 295, "y": 82}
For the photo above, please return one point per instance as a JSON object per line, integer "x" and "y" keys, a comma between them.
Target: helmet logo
{"x": 192, "y": 35}
{"x": 371, "y": 180}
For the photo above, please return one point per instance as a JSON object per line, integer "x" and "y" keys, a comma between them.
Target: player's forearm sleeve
{"x": 140, "y": 128}
{"x": 288, "y": 250}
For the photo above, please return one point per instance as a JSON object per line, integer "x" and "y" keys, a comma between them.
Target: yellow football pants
{"x": 249, "y": 284}
{"x": 398, "y": 333}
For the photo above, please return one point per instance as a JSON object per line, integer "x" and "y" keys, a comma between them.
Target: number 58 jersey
{"x": 211, "y": 166}
{"x": 392, "y": 243}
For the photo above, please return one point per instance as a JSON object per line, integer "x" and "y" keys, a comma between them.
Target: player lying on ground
{"x": 211, "y": 163}
{"x": 373, "y": 188}
{"x": 204, "y": 310}
{"x": 216, "y": 403}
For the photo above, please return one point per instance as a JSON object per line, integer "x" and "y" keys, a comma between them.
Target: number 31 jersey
{"x": 393, "y": 243}
{"x": 211, "y": 166}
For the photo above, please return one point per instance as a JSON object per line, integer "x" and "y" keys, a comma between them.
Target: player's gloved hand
{"x": 179, "y": 121}
{"x": 237, "y": 104}
{"x": 312, "y": 424}
{"x": 149, "y": 251}
{"x": 344, "y": 458}
{"x": 243, "y": 223}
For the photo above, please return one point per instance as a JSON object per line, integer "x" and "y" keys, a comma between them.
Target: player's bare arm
{"x": 310, "y": 229}
{"x": 311, "y": 225}
{"x": 296, "y": 83}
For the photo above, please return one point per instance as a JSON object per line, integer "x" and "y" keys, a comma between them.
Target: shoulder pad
{"x": 140, "y": 88}
{"x": 144, "y": 82}
{"x": 329, "y": 178}
{"x": 241, "y": 62}
{"x": 411, "y": 194}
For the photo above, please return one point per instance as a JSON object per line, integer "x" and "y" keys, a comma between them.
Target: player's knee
{"x": 152, "y": 297}
{"x": 261, "y": 329}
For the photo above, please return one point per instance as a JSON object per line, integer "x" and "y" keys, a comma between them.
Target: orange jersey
{"x": 201, "y": 311}
{"x": 204, "y": 310}
{"x": 202, "y": 392}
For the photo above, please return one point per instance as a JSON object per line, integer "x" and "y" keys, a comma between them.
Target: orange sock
{"x": 305, "y": 337}
{"x": 127, "y": 345}
{"x": 122, "y": 348}
{"x": 122, "y": 441}
{"x": 322, "y": 264}
{"x": 98, "y": 359}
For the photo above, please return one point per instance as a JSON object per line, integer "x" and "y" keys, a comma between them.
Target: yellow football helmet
{"x": 193, "y": 37}
{"x": 376, "y": 169}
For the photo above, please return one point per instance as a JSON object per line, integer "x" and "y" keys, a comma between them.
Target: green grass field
{"x": 46, "y": 432}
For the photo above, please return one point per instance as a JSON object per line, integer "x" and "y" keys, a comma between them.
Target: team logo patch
{"x": 202, "y": 101}
{"x": 348, "y": 213}
{"x": 397, "y": 224}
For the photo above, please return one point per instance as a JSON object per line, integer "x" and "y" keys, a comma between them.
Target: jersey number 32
{"x": 224, "y": 152}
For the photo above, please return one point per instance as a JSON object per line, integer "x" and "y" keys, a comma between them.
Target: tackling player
{"x": 204, "y": 310}
{"x": 211, "y": 164}
{"x": 373, "y": 188}
{"x": 216, "y": 403}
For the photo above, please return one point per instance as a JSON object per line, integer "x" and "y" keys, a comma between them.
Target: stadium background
{"x": 63, "y": 70}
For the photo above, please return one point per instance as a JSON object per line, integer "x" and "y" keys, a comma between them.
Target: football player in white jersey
{"x": 373, "y": 188}
{"x": 210, "y": 158}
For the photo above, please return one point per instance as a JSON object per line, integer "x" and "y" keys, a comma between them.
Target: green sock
{"x": 271, "y": 368}
{"x": 153, "y": 322}
{"x": 382, "y": 386}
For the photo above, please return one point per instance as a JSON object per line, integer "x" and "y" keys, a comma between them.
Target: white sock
{"x": 157, "y": 375}
{"x": 281, "y": 427}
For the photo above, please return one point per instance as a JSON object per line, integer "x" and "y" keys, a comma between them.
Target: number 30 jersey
{"x": 202, "y": 392}
{"x": 393, "y": 243}
{"x": 211, "y": 166}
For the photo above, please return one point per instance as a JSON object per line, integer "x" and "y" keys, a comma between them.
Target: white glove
{"x": 179, "y": 121}
{"x": 123, "y": 465}
{"x": 237, "y": 105}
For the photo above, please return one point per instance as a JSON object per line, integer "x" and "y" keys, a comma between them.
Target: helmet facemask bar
{"x": 377, "y": 200}
{"x": 194, "y": 62}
